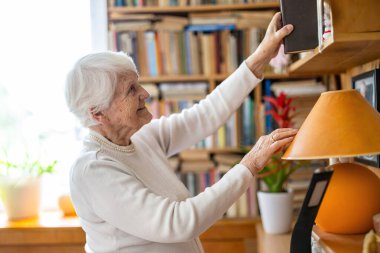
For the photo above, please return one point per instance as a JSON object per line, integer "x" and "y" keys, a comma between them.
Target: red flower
{"x": 281, "y": 108}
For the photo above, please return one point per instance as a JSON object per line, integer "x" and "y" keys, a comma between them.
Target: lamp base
{"x": 351, "y": 200}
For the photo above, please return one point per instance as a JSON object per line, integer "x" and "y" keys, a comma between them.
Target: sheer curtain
{"x": 39, "y": 42}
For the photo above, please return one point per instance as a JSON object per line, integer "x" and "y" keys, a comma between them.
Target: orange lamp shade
{"x": 341, "y": 124}
{"x": 351, "y": 200}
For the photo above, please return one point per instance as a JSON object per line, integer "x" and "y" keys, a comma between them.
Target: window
{"x": 40, "y": 40}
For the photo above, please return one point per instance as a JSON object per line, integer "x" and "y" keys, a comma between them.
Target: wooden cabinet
{"x": 54, "y": 233}
{"x": 355, "y": 39}
{"x": 49, "y": 233}
{"x": 231, "y": 235}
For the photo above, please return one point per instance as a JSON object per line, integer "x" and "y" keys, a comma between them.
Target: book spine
{"x": 151, "y": 52}
{"x": 268, "y": 118}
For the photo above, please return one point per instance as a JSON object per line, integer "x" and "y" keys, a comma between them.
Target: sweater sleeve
{"x": 124, "y": 202}
{"x": 179, "y": 131}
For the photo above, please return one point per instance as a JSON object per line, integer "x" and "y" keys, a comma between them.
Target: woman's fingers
{"x": 275, "y": 22}
{"x": 278, "y": 130}
{"x": 276, "y": 26}
{"x": 284, "y": 31}
{"x": 266, "y": 146}
{"x": 283, "y": 133}
{"x": 282, "y": 143}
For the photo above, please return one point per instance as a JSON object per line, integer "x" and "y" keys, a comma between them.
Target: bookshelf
{"x": 212, "y": 77}
{"x": 355, "y": 39}
{"x": 148, "y": 18}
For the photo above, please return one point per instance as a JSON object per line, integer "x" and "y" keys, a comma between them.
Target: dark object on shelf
{"x": 368, "y": 84}
{"x": 301, "y": 236}
{"x": 303, "y": 15}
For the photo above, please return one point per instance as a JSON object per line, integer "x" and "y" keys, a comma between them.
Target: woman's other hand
{"x": 265, "y": 147}
{"x": 270, "y": 45}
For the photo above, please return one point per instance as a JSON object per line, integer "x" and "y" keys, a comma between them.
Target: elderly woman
{"x": 122, "y": 186}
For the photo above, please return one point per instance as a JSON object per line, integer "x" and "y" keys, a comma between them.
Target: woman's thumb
{"x": 284, "y": 31}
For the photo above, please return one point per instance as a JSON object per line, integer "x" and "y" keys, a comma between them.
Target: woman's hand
{"x": 270, "y": 45}
{"x": 265, "y": 147}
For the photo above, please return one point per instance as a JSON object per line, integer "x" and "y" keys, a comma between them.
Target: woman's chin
{"x": 147, "y": 117}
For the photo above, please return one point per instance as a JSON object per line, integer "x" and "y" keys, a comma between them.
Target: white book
{"x": 243, "y": 206}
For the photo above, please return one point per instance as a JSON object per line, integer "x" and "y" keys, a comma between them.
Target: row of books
{"x": 169, "y": 98}
{"x": 201, "y": 49}
{"x": 141, "y": 3}
{"x": 197, "y": 170}
{"x": 155, "y": 21}
{"x": 241, "y": 127}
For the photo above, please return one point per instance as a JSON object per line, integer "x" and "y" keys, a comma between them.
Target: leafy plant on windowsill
{"x": 20, "y": 186}
{"x": 276, "y": 173}
{"x": 27, "y": 167}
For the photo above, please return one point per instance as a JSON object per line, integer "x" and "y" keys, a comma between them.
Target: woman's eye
{"x": 132, "y": 89}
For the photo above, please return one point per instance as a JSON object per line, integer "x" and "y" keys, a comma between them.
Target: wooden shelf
{"x": 195, "y": 8}
{"x": 340, "y": 53}
{"x": 224, "y": 150}
{"x": 231, "y": 228}
{"x": 174, "y": 78}
{"x": 331, "y": 243}
{"x": 217, "y": 77}
{"x": 355, "y": 39}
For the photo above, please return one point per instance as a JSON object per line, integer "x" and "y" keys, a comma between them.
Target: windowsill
{"x": 53, "y": 228}
{"x": 51, "y": 219}
{"x": 51, "y": 232}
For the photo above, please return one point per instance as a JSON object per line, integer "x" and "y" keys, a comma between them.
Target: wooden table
{"x": 331, "y": 243}
{"x": 268, "y": 243}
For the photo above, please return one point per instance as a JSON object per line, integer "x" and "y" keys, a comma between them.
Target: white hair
{"x": 91, "y": 84}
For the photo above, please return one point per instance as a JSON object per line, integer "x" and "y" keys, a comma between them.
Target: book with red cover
{"x": 303, "y": 15}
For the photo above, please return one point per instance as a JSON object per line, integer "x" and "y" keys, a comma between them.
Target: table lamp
{"x": 341, "y": 125}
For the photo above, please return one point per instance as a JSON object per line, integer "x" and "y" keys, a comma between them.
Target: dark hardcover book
{"x": 303, "y": 15}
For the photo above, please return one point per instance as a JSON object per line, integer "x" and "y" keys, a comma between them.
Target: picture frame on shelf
{"x": 368, "y": 84}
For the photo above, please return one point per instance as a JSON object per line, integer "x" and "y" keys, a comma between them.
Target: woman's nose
{"x": 144, "y": 94}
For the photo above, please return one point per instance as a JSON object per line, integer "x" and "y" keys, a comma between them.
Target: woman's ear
{"x": 99, "y": 117}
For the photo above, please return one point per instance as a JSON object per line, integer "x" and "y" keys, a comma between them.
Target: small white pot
{"x": 21, "y": 197}
{"x": 276, "y": 210}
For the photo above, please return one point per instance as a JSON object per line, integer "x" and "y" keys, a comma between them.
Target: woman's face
{"x": 127, "y": 108}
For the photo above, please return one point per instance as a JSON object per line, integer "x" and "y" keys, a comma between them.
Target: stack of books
{"x": 304, "y": 93}
{"x": 246, "y": 206}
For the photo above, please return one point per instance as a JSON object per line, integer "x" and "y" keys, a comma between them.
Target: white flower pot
{"x": 21, "y": 197}
{"x": 276, "y": 210}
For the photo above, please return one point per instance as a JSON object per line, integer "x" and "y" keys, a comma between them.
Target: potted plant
{"x": 20, "y": 187}
{"x": 276, "y": 203}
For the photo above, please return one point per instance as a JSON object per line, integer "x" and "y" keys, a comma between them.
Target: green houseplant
{"x": 20, "y": 185}
{"x": 276, "y": 204}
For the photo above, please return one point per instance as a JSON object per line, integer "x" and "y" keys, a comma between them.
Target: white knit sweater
{"x": 133, "y": 202}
